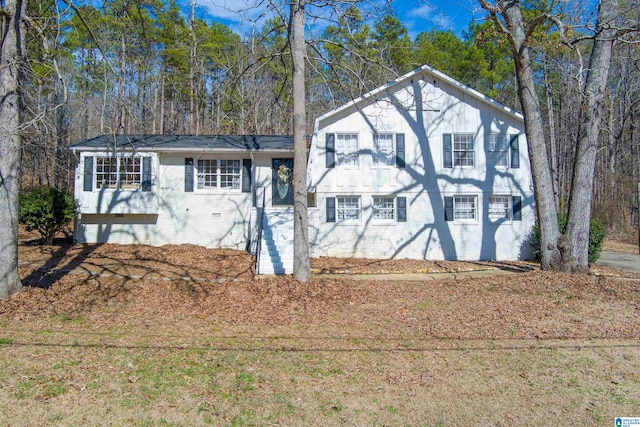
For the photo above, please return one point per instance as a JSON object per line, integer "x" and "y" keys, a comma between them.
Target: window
{"x": 499, "y": 207}
{"x": 130, "y": 173}
{"x": 120, "y": 172}
{"x": 383, "y": 153}
{"x": 207, "y": 174}
{"x": 107, "y": 172}
{"x": 230, "y": 174}
{"x": 498, "y": 150}
{"x": 347, "y": 150}
{"x": 212, "y": 173}
{"x": 384, "y": 208}
{"x": 348, "y": 208}
{"x": 464, "y": 208}
{"x": 463, "y": 152}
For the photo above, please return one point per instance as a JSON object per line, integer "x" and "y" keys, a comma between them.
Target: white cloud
{"x": 422, "y": 12}
{"x": 433, "y": 15}
{"x": 233, "y": 10}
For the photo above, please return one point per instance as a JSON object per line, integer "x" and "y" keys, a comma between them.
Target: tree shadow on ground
{"x": 135, "y": 262}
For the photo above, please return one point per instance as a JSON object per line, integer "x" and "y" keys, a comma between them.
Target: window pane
{"x": 463, "y": 153}
{"x": 230, "y": 174}
{"x": 348, "y": 208}
{"x": 464, "y": 207}
{"x": 130, "y": 173}
{"x": 347, "y": 150}
{"x": 498, "y": 150}
{"x": 207, "y": 174}
{"x": 383, "y": 207}
{"x": 106, "y": 172}
{"x": 383, "y": 154}
{"x": 499, "y": 207}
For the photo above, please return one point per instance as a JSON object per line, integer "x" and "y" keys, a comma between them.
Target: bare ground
{"x": 182, "y": 335}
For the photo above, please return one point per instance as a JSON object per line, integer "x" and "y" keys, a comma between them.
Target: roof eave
{"x": 181, "y": 149}
{"x": 434, "y": 73}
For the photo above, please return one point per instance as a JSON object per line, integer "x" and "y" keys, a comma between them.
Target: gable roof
{"x": 187, "y": 143}
{"x": 422, "y": 72}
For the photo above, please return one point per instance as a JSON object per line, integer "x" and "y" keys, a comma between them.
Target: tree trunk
{"x": 576, "y": 249}
{"x": 542, "y": 182}
{"x": 301, "y": 266}
{"x": 553, "y": 154}
{"x": 10, "y": 142}
{"x": 122, "y": 119}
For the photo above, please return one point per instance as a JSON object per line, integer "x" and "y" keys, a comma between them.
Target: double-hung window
{"x": 465, "y": 208}
{"x": 130, "y": 173}
{"x": 498, "y": 150}
{"x": 219, "y": 173}
{"x": 347, "y": 149}
{"x": 348, "y": 208}
{"x": 384, "y": 208}
{"x": 463, "y": 150}
{"x": 107, "y": 172}
{"x": 383, "y": 150}
{"x": 499, "y": 207}
{"x": 118, "y": 172}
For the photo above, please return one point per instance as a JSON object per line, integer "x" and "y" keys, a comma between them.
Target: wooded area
{"x": 150, "y": 67}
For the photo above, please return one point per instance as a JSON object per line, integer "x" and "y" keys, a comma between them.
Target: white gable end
{"x": 435, "y": 145}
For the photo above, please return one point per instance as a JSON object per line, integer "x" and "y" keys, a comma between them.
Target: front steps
{"x": 275, "y": 254}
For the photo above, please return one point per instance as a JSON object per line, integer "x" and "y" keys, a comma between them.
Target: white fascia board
{"x": 425, "y": 69}
{"x": 181, "y": 150}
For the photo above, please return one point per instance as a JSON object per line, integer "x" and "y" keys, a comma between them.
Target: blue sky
{"x": 417, "y": 15}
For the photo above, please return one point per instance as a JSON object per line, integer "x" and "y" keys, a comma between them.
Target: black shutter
{"x": 330, "y": 150}
{"x": 516, "y": 202}
{"x": 331, "y": 209}
{"x": 246, "y": 175}
{"x": 515, "y": 152}
{"x": 448, "y": 208}
{"x": 188, "y": 174}
{"x": 87, "y": 185}
{"x": 146, "y": 174}
{"x": 402, "y": 209}
{"x": 400, "y": 150}
{"x": 447, "y": 151}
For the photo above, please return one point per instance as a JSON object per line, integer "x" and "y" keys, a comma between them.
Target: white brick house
{"x": 423, "y": 167}
{"x": 165, "y": 189}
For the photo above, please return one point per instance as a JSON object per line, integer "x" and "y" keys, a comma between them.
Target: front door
{"x": 282, "y": 182}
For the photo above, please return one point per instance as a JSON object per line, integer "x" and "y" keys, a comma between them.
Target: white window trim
{"x": 118, "y": 157}
{"x": 474, "y": 220}
{"x": 489, "y": 152}
{"x": 509, "y": 208}
{"x": 375, "y": 165}
{"x": 473, "y": 150}
{"x": 338, "y": 164}
{"x": 217, "y": 189}
{"x": 349, "y": 221}
{"x": 381, "y": 221}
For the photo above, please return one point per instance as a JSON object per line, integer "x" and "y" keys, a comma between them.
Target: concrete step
{"x": 276, "y": 245}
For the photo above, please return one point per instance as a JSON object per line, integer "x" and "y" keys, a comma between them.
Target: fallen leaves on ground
{"x": 128, "y": 284}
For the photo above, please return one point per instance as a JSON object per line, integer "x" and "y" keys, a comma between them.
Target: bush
{"x": 596, "y": 237}
{"x": 46, "y": 210}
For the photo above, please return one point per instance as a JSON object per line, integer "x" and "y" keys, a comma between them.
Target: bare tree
{"x": 568, "y": 251}
{"x": 10, "y": 59}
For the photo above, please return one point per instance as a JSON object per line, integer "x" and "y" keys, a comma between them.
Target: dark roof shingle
{"x": 187, "y": 142}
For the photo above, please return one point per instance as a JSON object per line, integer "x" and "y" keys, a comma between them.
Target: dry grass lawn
{"x": 133, "y": 335}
